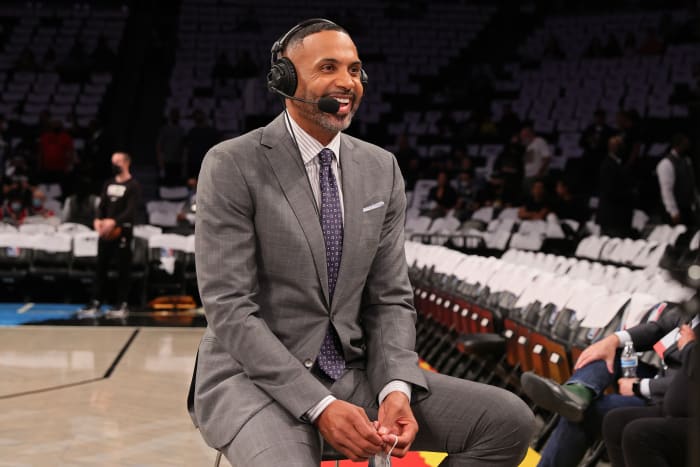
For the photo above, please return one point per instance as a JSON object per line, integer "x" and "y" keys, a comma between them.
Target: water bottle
{"x": 628, "y": 361}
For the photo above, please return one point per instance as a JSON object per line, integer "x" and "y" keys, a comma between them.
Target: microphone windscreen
{"x": 328, "y": 105}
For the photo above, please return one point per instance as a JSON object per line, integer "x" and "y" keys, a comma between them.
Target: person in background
{"x": 537, "y": 156}
{"x": 119, "y": 201}
{"x": 679, "y": 192}
{"x": 655, "y": 435}
{"x": 81, "y": 206}
{"x": 199, "y": 139}
{"x": 169, "y": 149}
{"x": 443, "y": 194}
{"x": 567, "y": 205}
{"x": 594, "y": 142}
{"x": 616, "y": 193}
{"x": 537, "y": 204}
{"x": 582, "y": 401}
{"x": 37, "y": 207}
{"x": 56, "y": 154}
{"x": 14, "y": 210}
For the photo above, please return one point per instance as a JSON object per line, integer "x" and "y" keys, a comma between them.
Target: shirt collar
{"x": 309, "y": 147}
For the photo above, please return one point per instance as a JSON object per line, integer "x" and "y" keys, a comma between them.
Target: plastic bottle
{"x": 628, "y": 361}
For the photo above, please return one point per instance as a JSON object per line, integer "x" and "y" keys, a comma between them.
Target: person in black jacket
{"x": 581, "y": 400}
{"x": 616, "y": 193}
{"x": 119, "y": 201}
{"x": 656, "y": 435}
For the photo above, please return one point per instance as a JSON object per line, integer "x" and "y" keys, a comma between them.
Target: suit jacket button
{"x": 308, "y": 363}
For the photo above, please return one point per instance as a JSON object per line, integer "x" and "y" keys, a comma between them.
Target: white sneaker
{"x": 91, "y": 310}
{"x": 119, "y": 313}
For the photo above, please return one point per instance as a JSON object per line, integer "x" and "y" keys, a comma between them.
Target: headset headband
{"x": 281, "y": 44}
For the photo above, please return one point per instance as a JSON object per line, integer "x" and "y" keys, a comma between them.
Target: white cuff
{"x": 624, "y": 337}
{"x": 644, "y": 388}
{"x": 316, "y": 411}
{"x": 395, "y": 385}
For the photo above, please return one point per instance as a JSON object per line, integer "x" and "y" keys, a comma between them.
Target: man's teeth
{"x": 343, "y": 100}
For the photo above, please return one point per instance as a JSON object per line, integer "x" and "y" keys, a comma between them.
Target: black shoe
{"x": 119, "y": 313}
{"x": 91, "y": 310}
{"x": 553, "y": 397}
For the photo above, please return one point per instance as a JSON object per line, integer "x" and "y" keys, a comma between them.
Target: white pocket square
{"x": 373, "y": 206}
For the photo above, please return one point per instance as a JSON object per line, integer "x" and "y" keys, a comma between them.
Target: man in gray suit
{"x": 301, "y": 269}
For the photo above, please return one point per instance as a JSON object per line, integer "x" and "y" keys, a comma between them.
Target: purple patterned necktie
{"x": 330, "y": 358}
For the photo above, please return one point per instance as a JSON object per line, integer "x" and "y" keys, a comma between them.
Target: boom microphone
{"x": 325, "y": 104}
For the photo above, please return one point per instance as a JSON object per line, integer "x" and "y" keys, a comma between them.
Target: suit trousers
{"x": 643, "y": 436}
{"x": 476, "y": 424}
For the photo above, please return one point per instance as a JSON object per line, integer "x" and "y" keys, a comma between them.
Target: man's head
{"x": 326, "y": 64}
{"x": 680, "y": 143}
{"x": 38, "y": 199}
{"x": 121, "y": 160}
{"x": 614, "y": 144}
{"x": 527, "y": 134}
{"x": 538, "y": 190}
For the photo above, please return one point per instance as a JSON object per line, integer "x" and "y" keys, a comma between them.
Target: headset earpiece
{"x": 282, "y": 76}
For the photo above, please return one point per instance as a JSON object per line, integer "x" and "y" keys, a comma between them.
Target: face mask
{"x": 37, "y": 203}
{"x": 116, "y": 170}
{"x": 16, "y": 206}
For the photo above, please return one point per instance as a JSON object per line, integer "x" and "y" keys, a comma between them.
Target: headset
{"x": 282, "y": 78}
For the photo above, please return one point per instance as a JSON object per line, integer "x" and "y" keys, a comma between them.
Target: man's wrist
{"x": 314, "y": 412}
{"x": 622, "y": 338}
{"x": 392, "y": 386}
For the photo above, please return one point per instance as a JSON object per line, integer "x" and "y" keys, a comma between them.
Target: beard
{"x": 332, "y": 122}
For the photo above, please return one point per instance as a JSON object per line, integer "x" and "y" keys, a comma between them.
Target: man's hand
{"x": 625, "y": 385}
{"x": 106, "y": 227}
{"x": 604, "y": 349}
{"x": 396, "y": 418}
{"x": 675, "y": 219}
{"x": 687, "y": 335}
{"x": 346, "y": 427}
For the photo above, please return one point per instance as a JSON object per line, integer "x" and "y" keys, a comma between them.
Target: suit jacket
{"x": 645, "y": 335}
{"x": 262, "y": 275}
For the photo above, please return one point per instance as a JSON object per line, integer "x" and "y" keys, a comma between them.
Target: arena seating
{"x": 47, "y": 32}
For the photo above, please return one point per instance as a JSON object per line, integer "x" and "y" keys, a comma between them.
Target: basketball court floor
{"x": 105, "y": 393}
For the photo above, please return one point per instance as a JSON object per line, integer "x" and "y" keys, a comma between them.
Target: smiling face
{"x": 327, "y": 65}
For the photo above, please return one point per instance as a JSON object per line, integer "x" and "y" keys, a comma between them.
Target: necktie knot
{"x": 326, "y": 156}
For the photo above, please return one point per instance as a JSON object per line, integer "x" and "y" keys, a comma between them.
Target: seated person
{"x": 536, "y": 205}
{"x": 14, "y": 210}
{"x": 37, "y": 207}
{"x": 566, "y": 205}
{"x": 82, "y": 206}
{"x": 443, "y": 194}
{"x": 581, "y": 401}
{"x": 657, "y": 434}
{"x": 467, "y": 188}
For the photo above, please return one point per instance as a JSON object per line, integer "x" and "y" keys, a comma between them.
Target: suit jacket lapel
{"x": 289, "y": 169}
{"x": 353, "y": 197}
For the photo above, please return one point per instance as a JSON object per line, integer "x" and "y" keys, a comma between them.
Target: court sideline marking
{"x": 106, "y": 375}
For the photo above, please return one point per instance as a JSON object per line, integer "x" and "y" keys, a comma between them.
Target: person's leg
{"x": 594, "y": 376}
{"x": 569, "y": 441}
{"x": 273, "y": 437}
{"x": 105, "y": 251}
{"x": 476, "y": 424}
{"x": 614, "y": 423}
{"x": 124, "y": 254}
{"x": 656, "y": 442}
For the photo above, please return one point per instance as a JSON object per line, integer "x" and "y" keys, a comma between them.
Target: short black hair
{"x": 296, "y": 38}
